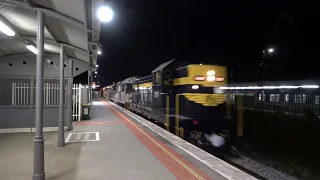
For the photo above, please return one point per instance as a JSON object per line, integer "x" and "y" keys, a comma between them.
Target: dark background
{"x": 146, "y": 33}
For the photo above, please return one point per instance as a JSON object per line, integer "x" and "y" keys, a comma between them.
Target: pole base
{"x": 70, "y": 128}
{"x": 39, "y": 177}
{"x": 61, "y": 143}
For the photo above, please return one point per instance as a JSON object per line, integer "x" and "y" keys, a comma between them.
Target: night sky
{"x": 146, "y": 33}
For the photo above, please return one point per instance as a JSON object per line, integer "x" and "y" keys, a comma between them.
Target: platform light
{"x": 105, "y": 14}
{"x": 99, "y": 52}
{"x": 32, "y": 48}
{"x": 6, "y": 30}
{"x": 96, "y": 72}
{"x": 97, "y": 65}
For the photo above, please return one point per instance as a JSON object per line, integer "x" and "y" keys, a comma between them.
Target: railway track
{"x": 232, "y": 157}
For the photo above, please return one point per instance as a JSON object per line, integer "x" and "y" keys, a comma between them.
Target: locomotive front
{"x": 201, "y": 104}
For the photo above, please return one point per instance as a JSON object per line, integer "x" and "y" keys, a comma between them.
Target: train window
{"x": 264, "y": 97}
{"x": 286, "y": 99}
{"x": 316, "y": 99}
{"x": 274, "y": 97}
{"x": 157, "y": 77}
{"x": 297, "y": 98}
{"x": 300, "y": 98}
{"x": 123, "y": 87}
{"x": 129, "y": 88}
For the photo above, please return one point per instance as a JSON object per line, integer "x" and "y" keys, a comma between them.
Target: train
{"x": 185, "y": 98}
{"x": 295, "y": 97}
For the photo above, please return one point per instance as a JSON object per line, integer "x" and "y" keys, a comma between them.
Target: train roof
{"x": 278, "y": 83}
{"x": 163, "y": 65}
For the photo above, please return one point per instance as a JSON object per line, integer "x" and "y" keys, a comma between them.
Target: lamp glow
{"x": 97, "y": 65}
{"x": 211, "y": 73}
{"x": 105, "y": 14}
{"x": 211, "y": 78}
{"x": 99, "y": 52}
{"x": 32, "y": 48}
{"x": 6, "y": 30}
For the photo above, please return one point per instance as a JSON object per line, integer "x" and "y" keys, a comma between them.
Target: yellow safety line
{"x": 164, "y": 149}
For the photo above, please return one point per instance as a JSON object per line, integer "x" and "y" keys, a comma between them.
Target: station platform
{"x": 115, "y": 144}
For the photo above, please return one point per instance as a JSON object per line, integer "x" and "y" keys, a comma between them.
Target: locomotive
{"x": 185, "y": 98}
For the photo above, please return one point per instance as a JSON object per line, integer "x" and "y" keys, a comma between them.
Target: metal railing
{"x": 76, "y": 102}
{"x": 22, "y": 94}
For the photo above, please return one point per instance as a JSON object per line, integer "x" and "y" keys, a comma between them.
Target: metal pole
{"x": 263, "y": 66}
{"x": 89, "y": 86}
{"x": 61, "y": 101}
{"x": 70, "y": 127}
{"x": 90, "y": 90}
{"x": 38, "y": 162}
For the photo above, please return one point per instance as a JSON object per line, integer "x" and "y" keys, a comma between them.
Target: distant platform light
{"x": 96, "y": 72}
{"x": 270, "y": 50}
{"x": 99, "y": 52}
{"x": 105, "y": 14}
{"x": 6, "y": 30}
{"x": 97, "y": 65}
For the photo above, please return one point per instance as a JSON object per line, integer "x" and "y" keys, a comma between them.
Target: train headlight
{"x": 211, "y": 73}
{"x": 195, "y": 87}
{"x": 211, "y": 78}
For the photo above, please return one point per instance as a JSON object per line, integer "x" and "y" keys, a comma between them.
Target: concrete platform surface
{"x": 109, "y": 146}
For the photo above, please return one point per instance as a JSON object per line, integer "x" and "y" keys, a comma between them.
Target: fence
{"x": 76, "y": 102}
{"x": 22, "y": 95}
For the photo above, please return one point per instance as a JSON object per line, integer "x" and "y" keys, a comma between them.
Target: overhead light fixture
{"x": 6, "y": 30}
{"x": 32, "y": 48}
{"x": 105, "y": 14}
{"x": 99, "y": 52}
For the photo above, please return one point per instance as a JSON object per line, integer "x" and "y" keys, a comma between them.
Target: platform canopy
{"x": 71, "y": 23}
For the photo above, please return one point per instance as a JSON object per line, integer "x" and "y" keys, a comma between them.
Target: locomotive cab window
{"x": 157, "y": 78}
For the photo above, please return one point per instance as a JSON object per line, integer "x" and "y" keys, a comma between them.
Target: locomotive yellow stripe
{"x": 206, "y": 99}
{"x": 149, "y": 84}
